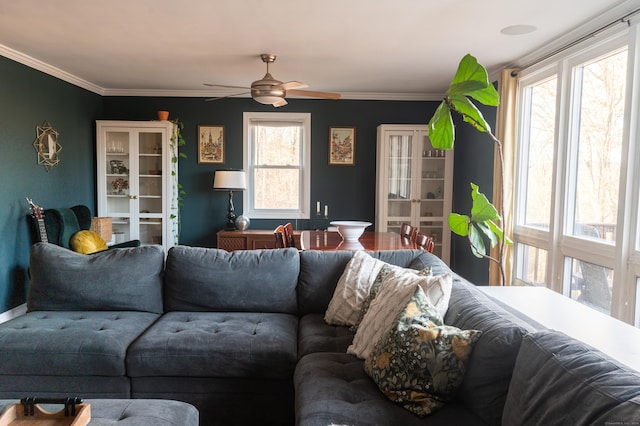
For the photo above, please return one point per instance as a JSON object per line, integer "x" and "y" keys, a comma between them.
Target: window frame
{"x": 303, "y": 212}
{"x": 622, "y": 256}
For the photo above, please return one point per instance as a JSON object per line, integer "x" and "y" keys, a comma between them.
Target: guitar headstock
{"x": 36, "y": 210}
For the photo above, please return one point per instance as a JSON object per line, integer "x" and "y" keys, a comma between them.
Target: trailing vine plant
{"x": 471, "y": 82}
{"x": 175, "y": 142}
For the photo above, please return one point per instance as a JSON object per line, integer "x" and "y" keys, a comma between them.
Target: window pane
{"x": 277, "y": 146}
{"x": 538, "y": 173}
{"x": 276, "y": 188}
{"x": 591, "y": 284}
{"x": 532, "y": 264}
{"x": 602, "y": 96}
{"x": 400, "y": 168}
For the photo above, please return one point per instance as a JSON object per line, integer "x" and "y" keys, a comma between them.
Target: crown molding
{"x": 49, "y": 69}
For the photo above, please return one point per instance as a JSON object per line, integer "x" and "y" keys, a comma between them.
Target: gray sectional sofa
{"x": 242, "y": 337}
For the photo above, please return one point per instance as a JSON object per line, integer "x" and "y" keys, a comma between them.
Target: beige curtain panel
{"x": 506, "y": 133}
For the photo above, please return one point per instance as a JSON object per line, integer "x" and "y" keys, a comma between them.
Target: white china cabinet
{"x": 414, "y": 184}
{"x": 137, "y": 180}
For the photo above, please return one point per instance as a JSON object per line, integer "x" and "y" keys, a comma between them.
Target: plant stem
{"x": 501, "y": 248}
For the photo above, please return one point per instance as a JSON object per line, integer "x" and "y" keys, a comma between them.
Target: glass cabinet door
{"x": 150, "y": 187}
{"x": 118, "y": 183}
{"x": 399, "y": 183}
{"x": 432, "y": 187}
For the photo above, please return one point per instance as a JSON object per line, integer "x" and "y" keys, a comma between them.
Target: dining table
{"x": 370, "y": 240}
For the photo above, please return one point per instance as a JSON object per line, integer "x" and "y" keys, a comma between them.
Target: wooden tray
{"x": 14, "y": 416}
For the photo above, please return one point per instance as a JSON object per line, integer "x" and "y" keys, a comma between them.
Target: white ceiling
{"x": 365, "y": 49}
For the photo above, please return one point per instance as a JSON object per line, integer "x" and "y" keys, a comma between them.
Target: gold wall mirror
{"x": 47, "y": 146}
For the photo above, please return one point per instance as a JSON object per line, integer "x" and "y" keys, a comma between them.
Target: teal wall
{"x": 27, "y": 99}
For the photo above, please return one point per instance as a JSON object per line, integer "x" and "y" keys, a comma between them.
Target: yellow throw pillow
{"x": 87, "y": 242}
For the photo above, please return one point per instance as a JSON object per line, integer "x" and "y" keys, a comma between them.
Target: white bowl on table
{"x": 350, "y": 230}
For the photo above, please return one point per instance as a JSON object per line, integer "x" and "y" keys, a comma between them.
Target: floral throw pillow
{"x": 420, "y": 363}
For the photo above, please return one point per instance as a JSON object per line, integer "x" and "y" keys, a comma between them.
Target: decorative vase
{"x": 163, "y": 115}
{"x": 242, "y": 223}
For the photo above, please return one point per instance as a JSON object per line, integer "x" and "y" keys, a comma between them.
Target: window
{"x": 577, "y": 183}
{"x": 277, "y": 162}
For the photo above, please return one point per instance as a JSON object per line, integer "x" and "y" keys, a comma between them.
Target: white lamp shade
{"x": 229, "y": 180}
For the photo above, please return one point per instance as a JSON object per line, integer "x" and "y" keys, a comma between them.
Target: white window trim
{"x": 623, "y": 257}
{"x": 304, "y": 212}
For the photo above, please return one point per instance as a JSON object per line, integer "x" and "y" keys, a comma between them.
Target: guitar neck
{"x": 43, "y": 231}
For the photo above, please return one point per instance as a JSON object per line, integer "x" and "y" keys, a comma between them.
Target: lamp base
{"x": 230, "y": 226}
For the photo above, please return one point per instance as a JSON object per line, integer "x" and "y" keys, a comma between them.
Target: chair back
{"x": 425, "y": 242}
{"x": 288, "y": 235}
{"x": 409, "y": 232}
{"x": 280, "y": 236}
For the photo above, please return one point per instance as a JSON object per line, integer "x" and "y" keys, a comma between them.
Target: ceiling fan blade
{"x": 291, "y": 85}
{"x": 228, "y": 96}
{"x": 228, "y": 87}
{"x": 281, "y": 102}
{"x": 313, "y": 94}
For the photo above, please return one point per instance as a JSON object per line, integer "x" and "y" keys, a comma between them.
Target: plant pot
{"x": 163, "y": 115}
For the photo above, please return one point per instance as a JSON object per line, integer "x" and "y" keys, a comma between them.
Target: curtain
{"x": 503, "y": 184}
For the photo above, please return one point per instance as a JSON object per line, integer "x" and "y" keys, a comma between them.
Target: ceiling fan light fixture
{"x": 267, "y": 96}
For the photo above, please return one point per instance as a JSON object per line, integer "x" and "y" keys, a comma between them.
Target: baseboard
{"x": 13, "y": 313}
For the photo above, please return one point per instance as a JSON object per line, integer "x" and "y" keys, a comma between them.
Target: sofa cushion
{"x": 70, "y": 343}
{"x": 217, "y": 344}
{"x": 587, "y": 386}
{"x": 320, "y": 272}
{"x": 202, "y": 279}
{"x": 352, "y": 289}
{"x": 486, "y": 382}
{"x": 113, "y": 280}
{"x": 315, "y": 335}
{"x": 420, "y": 363}
{"x": 396, "y": 290}
{"x": 333, "y": 388}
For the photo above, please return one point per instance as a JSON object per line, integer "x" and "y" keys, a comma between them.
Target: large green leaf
{"x": 465, "y": 87}
{"x": 459, "y": 224}
{"x": 486, "y": 230}
{"x": 470, "y": 113}
{"x": 477, "y": 244}
{"x": 482, "y": 209}
{"x": 470, "y": 70}
{"x": 441, "y": 130}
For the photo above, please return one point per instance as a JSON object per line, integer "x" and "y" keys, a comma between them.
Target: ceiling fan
{"x": 270, "y": 91}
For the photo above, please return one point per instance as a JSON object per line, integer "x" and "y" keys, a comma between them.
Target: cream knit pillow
{"x": 396, "y": 290}
{"x": 352, "y": 289}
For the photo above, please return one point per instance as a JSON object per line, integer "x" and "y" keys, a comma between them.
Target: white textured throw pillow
{"x": 352, "y": 289}
{"x": 396, "y": 290}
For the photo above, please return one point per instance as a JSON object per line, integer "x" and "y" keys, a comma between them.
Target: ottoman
{"x": 133, "y": 412}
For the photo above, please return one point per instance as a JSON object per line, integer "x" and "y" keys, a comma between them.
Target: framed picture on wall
{"x": 342, "y": 146}
{"x": 210, "y": 144}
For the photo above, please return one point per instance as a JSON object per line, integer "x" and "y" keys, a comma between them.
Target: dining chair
{"x": 409, "y": 232}
{"x": 425, "y": 242}
{"x": 280, "y": 235}
{"x": 288, "y": 235}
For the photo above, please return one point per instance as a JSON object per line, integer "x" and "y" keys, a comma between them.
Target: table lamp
{"x": 230, "y": 180}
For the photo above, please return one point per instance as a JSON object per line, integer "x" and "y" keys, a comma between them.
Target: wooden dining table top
{"x": 370, "y": 240}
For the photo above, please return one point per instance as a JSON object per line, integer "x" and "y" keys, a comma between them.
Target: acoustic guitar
{"x": 38, "y": 214}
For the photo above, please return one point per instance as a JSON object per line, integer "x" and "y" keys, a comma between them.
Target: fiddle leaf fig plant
{"x": 471, "y": 83}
